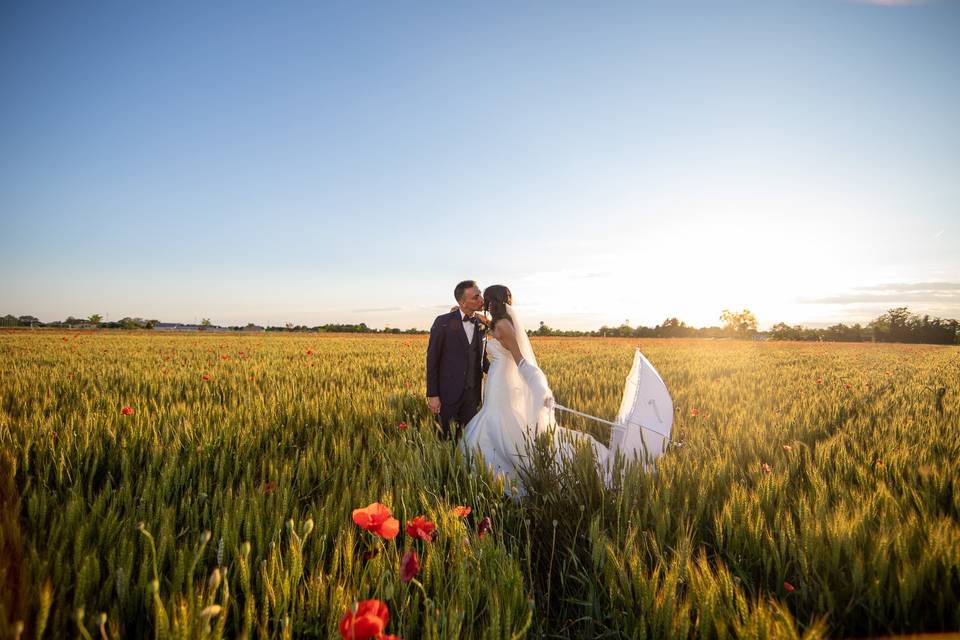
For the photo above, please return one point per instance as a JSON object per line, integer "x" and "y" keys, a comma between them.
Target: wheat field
{"x": 204, "y": 485}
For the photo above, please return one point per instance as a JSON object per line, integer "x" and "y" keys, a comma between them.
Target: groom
{"x": 455, "y": 360}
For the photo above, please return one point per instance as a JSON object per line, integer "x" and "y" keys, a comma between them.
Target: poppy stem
{"x": 426, "y": 598}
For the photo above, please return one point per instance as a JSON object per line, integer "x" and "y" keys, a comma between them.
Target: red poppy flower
{"x": 847, "y": 386}
{"x": 376, "y": 518}
{"x": 461, "y": 511}
{"x": 819, "y": 380}
{"x": 388, "y": 637}
{"x": 694, "y": 412}
{"x": 224, "y": 357}
{"x": 483, "y": 527}
{"x": 269, "y": 487}
{"x": 421, "y": 528}
{"x": 789, "y": 587}
{"x": 127, "y": 411}
{"x": 765, "y": 467}
{"x": 402, "y": 426}
{"x": 409, "y": 566}
{"x": 206, "y": 376}
{"x": 368, "y": 622}
{"x": 309, "y": 352}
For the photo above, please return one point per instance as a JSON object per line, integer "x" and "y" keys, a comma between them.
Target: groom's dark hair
{"x": 461, "y": 288}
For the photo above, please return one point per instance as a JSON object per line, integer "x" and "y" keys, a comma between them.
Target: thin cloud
{"x": 891, "y": 3}
{"x": 929, "y": 293}
{"x": 913, "y": 286}
{"x": 376, "y": 309}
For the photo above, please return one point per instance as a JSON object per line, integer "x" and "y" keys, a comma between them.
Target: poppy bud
{"x": 214, "y": 580}
{"x": 307, "y": 528}
{"x": 483, "y": 527}
{"x": 409, "y": 566}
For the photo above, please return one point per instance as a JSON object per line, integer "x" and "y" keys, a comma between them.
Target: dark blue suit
{"x": 455, "y": 369}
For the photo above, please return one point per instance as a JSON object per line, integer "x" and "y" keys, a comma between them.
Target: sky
{"x": 610, "y": 162}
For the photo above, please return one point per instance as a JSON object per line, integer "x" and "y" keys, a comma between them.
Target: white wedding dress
{"x": 514, "y": 412}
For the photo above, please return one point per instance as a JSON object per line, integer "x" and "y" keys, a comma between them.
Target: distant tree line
{"x": 736, "y": 324}
{"x": 342, "y": 328}
{"x": 94, "y": 321}
{"x": 896, "y": 325}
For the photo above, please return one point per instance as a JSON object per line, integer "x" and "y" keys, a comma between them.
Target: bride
{"x": 517, "y": 400}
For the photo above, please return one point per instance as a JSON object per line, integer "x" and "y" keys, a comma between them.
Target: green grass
{"x": 106, "y": 514}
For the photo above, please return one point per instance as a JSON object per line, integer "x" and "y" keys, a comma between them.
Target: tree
{"x": 673, "y": 328}
{"x": 95, "y": 318}
{"x": 739, "y": 323}
{"x": 783, "y": 331}
{"x": 205, "y": 323}
{"x": 543, "y": 330}
{"x": 893, "y": 326}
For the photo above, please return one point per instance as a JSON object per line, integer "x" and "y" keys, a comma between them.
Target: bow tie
{"x": 469, "y": 319}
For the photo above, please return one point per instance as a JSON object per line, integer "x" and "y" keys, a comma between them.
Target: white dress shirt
{"x": 469, "y": 327}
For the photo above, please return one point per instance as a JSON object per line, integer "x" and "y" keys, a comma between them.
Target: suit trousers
{"x": 460, "y": 412}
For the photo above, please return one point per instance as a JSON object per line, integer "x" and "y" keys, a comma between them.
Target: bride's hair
{"x": 496, "y": 297}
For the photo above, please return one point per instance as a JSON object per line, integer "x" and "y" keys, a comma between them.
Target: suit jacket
{"x": 448, "y": 357}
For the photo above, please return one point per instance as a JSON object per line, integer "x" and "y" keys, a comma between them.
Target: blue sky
{"x": 320, "y": 162}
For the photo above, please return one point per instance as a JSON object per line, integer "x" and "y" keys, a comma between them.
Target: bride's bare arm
{"x": 504, "y": 332}
{"x": 532, "y": 375}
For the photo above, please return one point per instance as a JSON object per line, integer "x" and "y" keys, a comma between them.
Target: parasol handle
{"x": 583, "y": 415}
{"x": 612, "y": 424}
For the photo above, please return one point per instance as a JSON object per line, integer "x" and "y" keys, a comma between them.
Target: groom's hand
{"x": 434, "y": 404}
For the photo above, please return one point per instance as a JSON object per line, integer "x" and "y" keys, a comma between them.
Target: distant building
{"x": 176, "y": 326}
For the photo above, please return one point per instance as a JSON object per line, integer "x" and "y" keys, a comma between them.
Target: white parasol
{"x": 645, "y": 418}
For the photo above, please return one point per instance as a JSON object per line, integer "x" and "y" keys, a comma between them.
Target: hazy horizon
{"x": 343, "y": 163}
{"x": 439, "y": 309}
